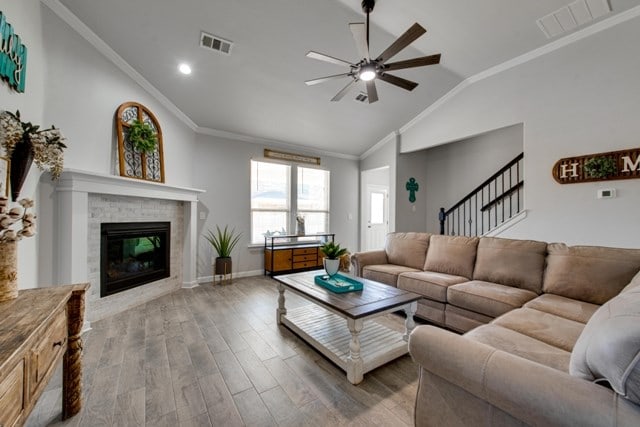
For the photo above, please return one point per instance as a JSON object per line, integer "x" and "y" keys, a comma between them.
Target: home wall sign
{"x": 133, "y": 162}
{"x": 13, "y": 56}
{"x": 612, "y": 165}
{"x": 280, "y": 155}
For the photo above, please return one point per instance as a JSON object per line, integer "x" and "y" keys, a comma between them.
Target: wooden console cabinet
{"x": 286, "y": 254}
{"x": 37, "y": 329}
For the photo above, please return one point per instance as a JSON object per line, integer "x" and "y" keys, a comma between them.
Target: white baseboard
{"x": 189, "y": 285}
{"x": 506, "y": 225}
{"x": 239, "y": 274}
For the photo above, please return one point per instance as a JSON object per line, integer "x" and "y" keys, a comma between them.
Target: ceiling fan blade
{"x": 403, "y": 41}
{"x": 398, "y": 81}
{"x": 344, "y": 91}
{"x": 324, "y": 79}
{"x": 359, "y": 32}
{"x": 411, "y": 63}
{"x": 327, "y": 58}
{"x": 372, "y": 93}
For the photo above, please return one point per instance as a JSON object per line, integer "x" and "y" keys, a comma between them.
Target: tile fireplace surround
{"x": 83, "y": 200}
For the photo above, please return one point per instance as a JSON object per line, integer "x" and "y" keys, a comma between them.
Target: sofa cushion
{"x": 490, "y": 299}
{"x": 432, "y": 311}
{"x": 408, "y": 249}
{"x": 568, "y": 308}
{"x": 635, "y": 283}
{"x": 453, "y": 255}
{"x": 589, "y": 273}
{"x": 518, "y": 263}
{"x": 549, "y": 328}
{"x": 609, "y": 347}
{"x": 385, "y": 273}
{"x": 429, "y": 283}
{"x": 462, "y": 320}
{"x": 521, "y": 345}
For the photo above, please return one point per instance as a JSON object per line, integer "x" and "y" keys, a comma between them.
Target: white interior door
{"x": 377, "y": 215}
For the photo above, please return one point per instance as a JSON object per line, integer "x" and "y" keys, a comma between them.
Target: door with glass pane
{"x": 377, "y": 206}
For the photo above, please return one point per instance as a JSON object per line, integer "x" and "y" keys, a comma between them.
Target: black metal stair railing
{"x": 492, "y": 203}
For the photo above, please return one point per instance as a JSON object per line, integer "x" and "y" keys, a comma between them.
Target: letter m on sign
{"x": 629, "y": 165}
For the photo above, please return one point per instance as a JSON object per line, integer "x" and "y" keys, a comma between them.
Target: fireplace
{"x": 133, "y": 254}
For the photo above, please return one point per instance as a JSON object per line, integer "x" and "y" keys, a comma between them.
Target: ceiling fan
{"x": 368, "y": 69}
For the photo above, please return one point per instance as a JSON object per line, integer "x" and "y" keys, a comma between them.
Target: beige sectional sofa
{"x": 551, "y": 336}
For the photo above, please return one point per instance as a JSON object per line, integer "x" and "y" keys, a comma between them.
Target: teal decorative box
{"x": 338, "y": 283}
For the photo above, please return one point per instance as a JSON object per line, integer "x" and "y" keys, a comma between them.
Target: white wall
{"x": 72, "y": 85}
{"x": 222, "y": 167}
{"x": 454, "y": 170}
{"x": 581, "y": 99}
{"x": 25, "y": 17}
{"x": 84, "y": 89}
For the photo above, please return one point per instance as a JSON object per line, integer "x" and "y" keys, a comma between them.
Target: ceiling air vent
{"x": 209, "y": 41}
{"x": 362, "y": 97}
{"x": 572, "y": 16}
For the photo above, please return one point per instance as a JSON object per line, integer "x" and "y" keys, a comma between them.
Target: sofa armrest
{"x": 361, "y": 259}
{"x": 531, "y": 392}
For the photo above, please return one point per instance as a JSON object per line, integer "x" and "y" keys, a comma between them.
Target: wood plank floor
{"x": 212, "y": 356}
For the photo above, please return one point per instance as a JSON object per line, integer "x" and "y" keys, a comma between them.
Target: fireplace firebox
{"x": 133, "y": 254}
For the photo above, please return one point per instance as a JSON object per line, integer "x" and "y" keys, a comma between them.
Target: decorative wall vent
{"x": 361, "y": 97}
{"x": 209, "y": 41}
{"x": 572, "y": 16}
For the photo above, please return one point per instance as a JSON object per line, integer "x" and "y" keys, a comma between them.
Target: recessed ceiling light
{"x": 184, "y": 69}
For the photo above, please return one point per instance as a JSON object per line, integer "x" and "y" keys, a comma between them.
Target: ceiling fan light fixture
{"x": 367, "y": 72}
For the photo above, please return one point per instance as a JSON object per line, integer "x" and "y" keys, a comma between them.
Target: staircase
{"x": 491, "y": 204}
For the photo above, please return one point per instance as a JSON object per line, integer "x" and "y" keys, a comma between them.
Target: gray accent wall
{"x": 454, "y": 170}
{"x": 581, "y": 99}
{"x": 223, "y": 167}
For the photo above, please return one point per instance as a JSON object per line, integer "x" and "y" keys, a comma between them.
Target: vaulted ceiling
{"x": 259, "y": 89}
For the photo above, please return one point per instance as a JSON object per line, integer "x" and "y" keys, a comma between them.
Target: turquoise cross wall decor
{"x": 412, "y": 187}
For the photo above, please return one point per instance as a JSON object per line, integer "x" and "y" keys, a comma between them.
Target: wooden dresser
{"x": 289, "y": 253}
{"x": 37, "y": 329}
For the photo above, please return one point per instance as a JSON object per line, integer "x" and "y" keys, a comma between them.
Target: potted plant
{"x": 142, "y": 136}
{"x": 332, "y": 253}
{"x": 223, "y": 242}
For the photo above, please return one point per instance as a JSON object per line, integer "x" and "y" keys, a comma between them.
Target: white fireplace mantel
{"x": 73, "y": 189}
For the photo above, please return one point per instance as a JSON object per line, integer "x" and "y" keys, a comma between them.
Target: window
{"x": 280, "y": 192}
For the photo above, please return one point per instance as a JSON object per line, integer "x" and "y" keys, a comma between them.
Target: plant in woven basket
{"x": 142, "y": 136}
{"x": 600, "y": 167}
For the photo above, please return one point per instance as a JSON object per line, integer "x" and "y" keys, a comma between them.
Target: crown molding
{"x": 81, "y": 28}
{"x": 378, "y": 145}
{"x": 271, "y": 142}
{"x": 605, "y": 24}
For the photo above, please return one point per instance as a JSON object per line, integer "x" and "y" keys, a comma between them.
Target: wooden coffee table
{"x": 360, "y": 344}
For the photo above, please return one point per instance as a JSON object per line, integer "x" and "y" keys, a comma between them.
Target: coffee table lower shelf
{"x": 329, "y": 334}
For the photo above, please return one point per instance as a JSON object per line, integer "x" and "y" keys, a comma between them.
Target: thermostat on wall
{"x": 607, "y": 193}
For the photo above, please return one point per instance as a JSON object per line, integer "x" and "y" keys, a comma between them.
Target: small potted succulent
{"x": 332, "y": 253}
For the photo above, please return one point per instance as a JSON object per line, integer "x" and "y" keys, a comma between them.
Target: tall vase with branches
{"x": 223, "y": 242}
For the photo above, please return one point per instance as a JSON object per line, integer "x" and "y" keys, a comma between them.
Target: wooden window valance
{"x": 132, "y": 162}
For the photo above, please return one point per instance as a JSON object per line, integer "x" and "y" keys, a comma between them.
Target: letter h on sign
{"x": 572, "y": 167}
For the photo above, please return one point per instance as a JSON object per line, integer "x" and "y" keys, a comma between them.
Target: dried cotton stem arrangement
{"x": 11, "y": 216}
